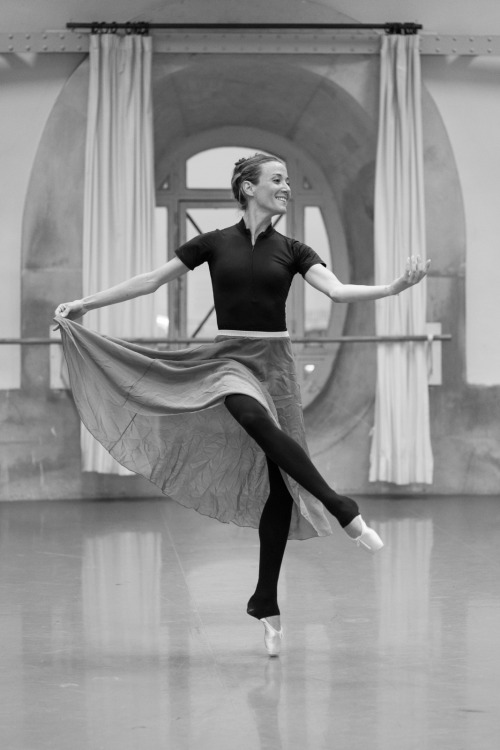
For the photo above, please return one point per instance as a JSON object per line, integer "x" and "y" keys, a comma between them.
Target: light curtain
{"x": 119, "y": 201}
{"x": 401, "y": 450}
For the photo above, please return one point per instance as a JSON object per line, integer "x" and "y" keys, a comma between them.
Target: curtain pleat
{"x": 401, "y": 450}
{"x": 119, "y": 201}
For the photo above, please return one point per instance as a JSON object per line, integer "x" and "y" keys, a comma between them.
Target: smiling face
{"x": 272, "y": 191}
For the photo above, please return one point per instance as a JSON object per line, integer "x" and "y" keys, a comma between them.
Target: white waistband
{"x": 255, "y": 334}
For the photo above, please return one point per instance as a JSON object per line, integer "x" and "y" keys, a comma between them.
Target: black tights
{"x": 281, "y": 451}
{"x": 273, "y": 535}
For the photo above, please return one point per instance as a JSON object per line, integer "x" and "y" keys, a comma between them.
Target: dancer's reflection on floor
{"x": 264, "y": 700}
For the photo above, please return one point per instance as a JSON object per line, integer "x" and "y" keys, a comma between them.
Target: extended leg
{"x": 273, "y": 534}
{"x": 289, "y": 455}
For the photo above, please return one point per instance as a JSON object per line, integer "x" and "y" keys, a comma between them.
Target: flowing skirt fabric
{"x": 162, "y": 415}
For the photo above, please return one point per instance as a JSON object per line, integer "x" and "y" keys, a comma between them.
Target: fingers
{"x": 411, "y": 269}
{"x": 416, "y": 269}
{"x": 62, "y": 310}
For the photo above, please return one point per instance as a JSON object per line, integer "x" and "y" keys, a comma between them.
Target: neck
{"x": 256, "y": 221}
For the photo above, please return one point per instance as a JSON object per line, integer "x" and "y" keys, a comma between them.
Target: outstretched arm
{"x": 325, "y": 281}
{"x": 137, "y": 286}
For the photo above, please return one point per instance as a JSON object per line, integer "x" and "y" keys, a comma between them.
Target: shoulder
{"x": 303, "y": 256}
{"x": 197, "y": 250}
{"x": 283, "y": 240}
{"x": 217, "y": 236}
{"x": 205, "y": 240}
{"x": 208, "y": 238}
{"x": 294, "y": 246}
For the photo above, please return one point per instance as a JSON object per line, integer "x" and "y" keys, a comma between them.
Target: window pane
{"x": 213, "y": 168}
{"x": 318, "y": 307}
{"x": 200, "y": 299}
{"x": 161, "y": 255}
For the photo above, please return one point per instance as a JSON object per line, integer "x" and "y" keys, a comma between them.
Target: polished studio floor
{"x": 123, "y": 626}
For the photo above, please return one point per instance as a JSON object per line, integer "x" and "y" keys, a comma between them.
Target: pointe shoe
{"x": 272, "y": 638}
{"x": 368, "y": 539}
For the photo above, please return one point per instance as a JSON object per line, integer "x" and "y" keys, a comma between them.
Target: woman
{"x": 219, "y": 427}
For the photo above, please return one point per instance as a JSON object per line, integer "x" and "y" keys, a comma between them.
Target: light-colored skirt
{"x": 162, "y": 415}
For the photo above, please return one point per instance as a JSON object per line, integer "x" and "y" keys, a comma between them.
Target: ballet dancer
{"x": 247, "y": 373}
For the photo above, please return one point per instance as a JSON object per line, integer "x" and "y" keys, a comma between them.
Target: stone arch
{"x": 327, "y": 108}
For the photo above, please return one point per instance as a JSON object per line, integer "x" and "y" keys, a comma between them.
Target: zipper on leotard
{"x": 252, "y": 283}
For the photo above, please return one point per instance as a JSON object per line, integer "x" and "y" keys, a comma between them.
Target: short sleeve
{"x": 196, "y": 251}
{"x": 305, "y": 257}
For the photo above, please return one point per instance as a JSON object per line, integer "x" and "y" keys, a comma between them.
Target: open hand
{"x": 415, "y": 271}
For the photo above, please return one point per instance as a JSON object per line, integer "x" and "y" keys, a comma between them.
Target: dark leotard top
{"x": 250, "y": 284}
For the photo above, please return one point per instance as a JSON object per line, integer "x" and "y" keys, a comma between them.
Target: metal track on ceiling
{"x": 258, "y": 41}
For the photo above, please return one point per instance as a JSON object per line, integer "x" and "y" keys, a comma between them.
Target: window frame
{"x": 301, "y": 168}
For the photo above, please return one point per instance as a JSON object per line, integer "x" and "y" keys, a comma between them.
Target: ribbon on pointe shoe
{"x": 368, "y": 539}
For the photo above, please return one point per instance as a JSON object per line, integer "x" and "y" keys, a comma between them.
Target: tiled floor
{"x": 123, "y": 626}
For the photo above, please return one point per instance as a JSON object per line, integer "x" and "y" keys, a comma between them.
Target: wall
{"x": 29, "y": 87}
{"x": 39, "y": 430}
{"x": 467, "y": 92}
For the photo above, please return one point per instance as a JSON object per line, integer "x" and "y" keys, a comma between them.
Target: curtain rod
{"x": 145, "y": 27}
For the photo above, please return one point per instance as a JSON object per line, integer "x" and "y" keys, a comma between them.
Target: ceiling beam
{"x": 259, "y": 41}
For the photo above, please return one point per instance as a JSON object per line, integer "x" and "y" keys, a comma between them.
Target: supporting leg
{"x": 282, "y": 451}
{"x": 273, "y": 534}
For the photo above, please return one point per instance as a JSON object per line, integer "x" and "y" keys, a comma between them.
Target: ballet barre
{"x": 317, "y": 340}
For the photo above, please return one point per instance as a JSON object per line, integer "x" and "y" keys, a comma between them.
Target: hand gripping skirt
{"x": 162, "y": 415}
